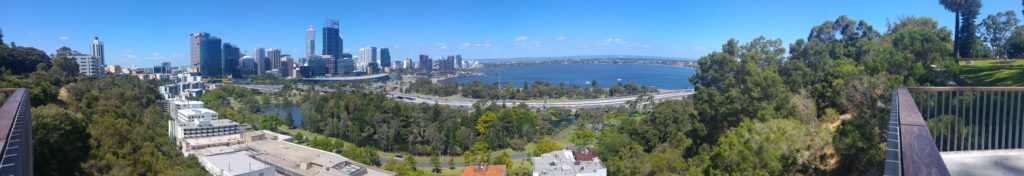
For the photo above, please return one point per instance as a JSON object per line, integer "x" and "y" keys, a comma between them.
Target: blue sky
{"x": 144, "y": 33}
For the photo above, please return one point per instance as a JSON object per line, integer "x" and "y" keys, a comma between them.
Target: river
{"x": 659, "y": 76}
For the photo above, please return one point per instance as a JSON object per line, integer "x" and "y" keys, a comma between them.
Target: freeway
{"x": 468, "y": 103}
{"x": 567, "y": 104}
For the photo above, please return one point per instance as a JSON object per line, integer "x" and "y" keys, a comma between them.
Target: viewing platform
{"x": 956, "y": 131}
{"x": 15, "y": 132}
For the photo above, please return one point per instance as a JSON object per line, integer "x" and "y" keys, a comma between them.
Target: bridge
{"x": 956, "y": 131}
{"x": 15, "y": 133}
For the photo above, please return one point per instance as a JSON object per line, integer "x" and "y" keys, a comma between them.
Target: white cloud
{"x": 63, "y": 37}
{"x": 560, "y": 38}
{"x": 615, "y": 41}
{"x": 521, "y": 38}
{"x": 442, "y": 46}
{"x": 128, "y": 56}
{"x": 675, "y": 46}
{"x": 466, "y": 45}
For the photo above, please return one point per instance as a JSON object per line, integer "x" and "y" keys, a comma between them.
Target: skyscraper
{"x": 385, "y": 58}
{"x": 345, "y": 66}
{"x": 332, "y": 38}
{"x": 273, "y": 57}
{"x": 425, "y": 64}
{"x": 261, "y": 60}
{"x": 97, "y": 51}
{"x": 458, "y": 61}
{"x": 247, "y": 66}
{"x": 310, "y": 42}
{"x": 366, "y": 56}
{"x": 211, "y": 62}
{"x": 231, "y": 55}
{"x": 360, "y": 67}
{"x": 194, "y": 42}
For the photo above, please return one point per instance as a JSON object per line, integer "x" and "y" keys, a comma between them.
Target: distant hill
{"x": 582, "y": 57}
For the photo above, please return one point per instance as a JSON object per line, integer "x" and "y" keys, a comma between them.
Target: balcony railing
{"x": 928, "y": 121}
{"x": 16, "y": 133}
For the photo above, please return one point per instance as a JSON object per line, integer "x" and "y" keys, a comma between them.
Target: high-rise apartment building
{"x": 97, "y": 51}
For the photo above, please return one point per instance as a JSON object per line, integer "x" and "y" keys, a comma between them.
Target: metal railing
{"x": 16, "y": 133}
{"x": 927, "y": 120}
{"x": 973, "y": 118}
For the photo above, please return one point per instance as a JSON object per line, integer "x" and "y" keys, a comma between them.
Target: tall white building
{"x": 407, "y": 64}
{"x": 97, "y": 51}
{"x": 261, "y": 60}
{"x": 194, "y": 41}
{"x": 310, "y": 42}
{"x": 366, "y": 56}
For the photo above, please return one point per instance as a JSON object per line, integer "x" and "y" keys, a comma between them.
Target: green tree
{"x": 773, "y": 147}
{"x": 60, "y": 141}
{"x": 996, "y": 29}
{"x": 955, "y": 6}
{"x": 1015, "y": 45}
{"x": 451, "y": 163}
{"x": 582, "y": 136}
{"x": 299, "y": 137}
{"x": 436, "y": 163}
{"x": 545, "y": 145}
{"x": 483, "y": 122}
{"x": 410, "y": 160}
{"x": 968, "y": 40}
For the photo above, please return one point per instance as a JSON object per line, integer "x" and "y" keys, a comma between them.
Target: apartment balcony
{"x": 956, "y": 131}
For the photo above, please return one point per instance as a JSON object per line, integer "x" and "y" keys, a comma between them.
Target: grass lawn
{"x": 1015, "y": 62}
{"x": 981, "y": 74}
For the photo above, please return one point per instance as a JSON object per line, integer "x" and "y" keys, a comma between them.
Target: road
{"x": 567, "y": 104}
{"x": 468, "y": 103}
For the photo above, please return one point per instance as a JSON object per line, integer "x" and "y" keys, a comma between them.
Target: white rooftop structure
{"x": 564, "y": 163}
{"x": 235, "y": 163}
{"x": 294, "y": 159}
{"x": 195, "y": 115}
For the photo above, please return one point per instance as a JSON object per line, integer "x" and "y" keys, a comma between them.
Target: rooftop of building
{"x": 196, "y": 111}
{"x": 483, "y": 170}
{"x": 235, "y": 163}
{"x": 292, "y": 157}
{"x": 563, "y": 162}
{"x": 209, "y": 123}
{"x": 214, "y": 140}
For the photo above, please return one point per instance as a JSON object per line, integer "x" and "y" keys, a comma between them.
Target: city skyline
{"x": 156, "y": 32}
